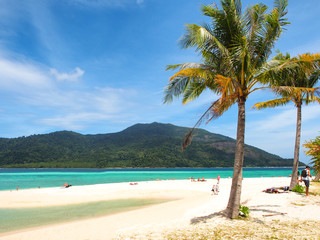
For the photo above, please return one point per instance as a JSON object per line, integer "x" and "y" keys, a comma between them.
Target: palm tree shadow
{"x": 259, "y": 208}
{"x": 267, "y": 211}
{"x": 203, "y": 219}
{"x": 252, "y": 207}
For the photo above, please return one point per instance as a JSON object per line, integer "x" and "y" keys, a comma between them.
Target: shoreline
{"x": 194, "y": 200}
{"x": 48, "y": 178}
{"x": 158, "y": 168}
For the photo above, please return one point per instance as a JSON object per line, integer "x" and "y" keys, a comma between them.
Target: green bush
{"x": 298, "y": 189}
{"x": 243, "y": 211}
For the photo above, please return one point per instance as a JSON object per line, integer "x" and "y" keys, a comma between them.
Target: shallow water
{"x": 21, "y": 218}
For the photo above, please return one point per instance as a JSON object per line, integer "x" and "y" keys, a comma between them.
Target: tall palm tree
{"x": 314, "y": 152}
{"x": 234, "y": 50}
{"x": 295, "y": 83}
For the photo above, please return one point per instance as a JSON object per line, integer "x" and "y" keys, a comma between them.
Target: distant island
{"x": 139, "y": 146}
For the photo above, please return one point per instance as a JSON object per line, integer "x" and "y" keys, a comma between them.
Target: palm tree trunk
{"x": 316, "y": 179}
{"x": 235, "y": 192}
{"x": 294, "y": 174}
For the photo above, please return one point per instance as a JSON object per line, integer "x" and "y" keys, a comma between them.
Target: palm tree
{"x": 234, "y": 50}
{"x": 314, "y": 151}
{"x": 294, "y": 83}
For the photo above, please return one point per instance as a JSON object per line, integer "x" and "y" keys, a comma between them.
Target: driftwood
{"x": 275, "y": 214}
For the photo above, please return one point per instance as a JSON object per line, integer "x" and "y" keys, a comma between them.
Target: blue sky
{"x": 98, "y": 66}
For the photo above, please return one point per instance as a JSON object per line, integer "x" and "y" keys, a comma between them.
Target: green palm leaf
{"x": 234, "y": 48}
{"x": 272, "y": 103}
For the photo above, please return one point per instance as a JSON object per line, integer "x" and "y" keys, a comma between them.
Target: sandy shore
{"x": 191, "y": 202}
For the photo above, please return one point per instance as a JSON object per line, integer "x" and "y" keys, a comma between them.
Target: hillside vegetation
{"x": 141, "y": 145}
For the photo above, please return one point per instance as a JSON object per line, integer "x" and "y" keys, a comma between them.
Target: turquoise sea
{"x": 34, "y": 178}
{"x": 15, "y": 219}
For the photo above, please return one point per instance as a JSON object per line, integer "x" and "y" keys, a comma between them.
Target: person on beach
{"x": 66, "y": 185}
{"x": 215, "y": 189}
{"x": 218, "y": 178}
{"x": 306, "y": 177}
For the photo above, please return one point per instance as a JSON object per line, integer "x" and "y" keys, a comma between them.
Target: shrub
{"x": 243, "y": 211}
{"x": 298, "y": 189}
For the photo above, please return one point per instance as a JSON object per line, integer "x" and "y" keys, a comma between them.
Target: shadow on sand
{"x": 259, "y": 208}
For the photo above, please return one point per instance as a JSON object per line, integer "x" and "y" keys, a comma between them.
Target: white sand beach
{"x": 191, "y": 202}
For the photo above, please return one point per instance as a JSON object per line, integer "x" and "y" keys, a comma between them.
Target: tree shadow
{"x": 266, "y": 212}
{"x": 258, "y": 208}
{"x": 203, "y": 219}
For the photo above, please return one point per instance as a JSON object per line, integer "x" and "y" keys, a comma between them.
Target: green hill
{"x": 141, "y": 145}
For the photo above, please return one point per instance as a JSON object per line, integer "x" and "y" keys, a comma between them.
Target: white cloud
{"x": 276, "y": 133}
{"x": 79, "y": 109}
{"x": 31, "y": 86}
{"x": 73, "y": 121}
{"x": 21, "y": 77}
{"x": 311, "y": 112}
{"x": 284, "y": 117}
{"x": 281, "y": 119}
{"x": 73, "y": 76}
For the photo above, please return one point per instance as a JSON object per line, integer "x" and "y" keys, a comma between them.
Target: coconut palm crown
{"x": 314, "y": 151}
{"x": 294, "y": 83}
{"x": 234, "y": 48}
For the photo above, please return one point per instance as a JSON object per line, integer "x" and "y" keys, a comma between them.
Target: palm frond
{"x": 273, "y": 26}
{"x": 311, "y": 99}
{"x": 314, "y": 77}
{"x": 302, "y": 71}
{"x": 267, "y": 73}
{"x": 189, "y": 73}
{"x": 314, "y": 152}
{"x": 215, "y": 110}
{"x": 238, "y": 7}
{"x": 287, "y": 91}
{"x": 253, "y": 19}
{"x": 272, "y": 103}
{"x": 193, "y": 91}
{"x": 223, "y": 85}
{"x": 226, "y": 21}
{"x": 190, "y": 83}
{"x": 188, "y": 137}
{"x": 222, "y": 106}
{"x": 256, "y": 89}
{"x": 307, "y": 62}
{"x": 183, "y": 66}
{"x": 198, "y": 36}
{"x": 175, "y": 88}
{"x": 211, "y": 11}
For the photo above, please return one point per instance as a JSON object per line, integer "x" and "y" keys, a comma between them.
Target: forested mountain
{"x": 141, "y": 145}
